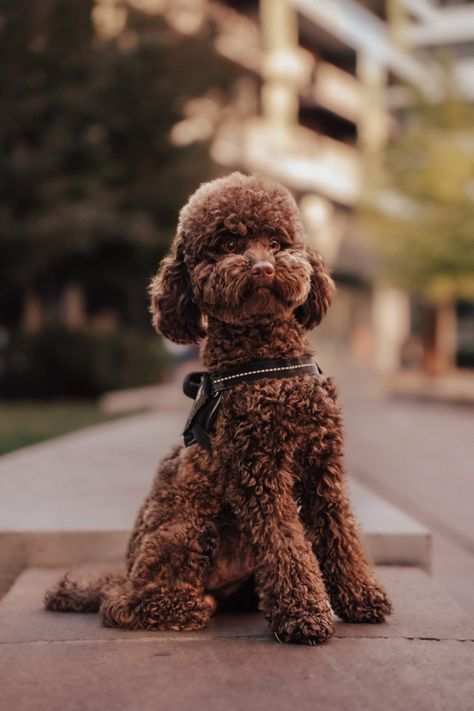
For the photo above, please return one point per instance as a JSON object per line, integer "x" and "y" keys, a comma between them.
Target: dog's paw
{"x": 366, "y": 604}
{"x": 180, "y": 614}
{"x": 305, "y": 628}
{"x": 155, "y": 609}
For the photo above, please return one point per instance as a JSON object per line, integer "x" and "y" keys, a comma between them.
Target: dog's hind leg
{"x": 169, "y": 561}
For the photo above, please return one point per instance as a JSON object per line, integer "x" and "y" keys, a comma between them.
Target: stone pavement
{"x": 421, "y": 659}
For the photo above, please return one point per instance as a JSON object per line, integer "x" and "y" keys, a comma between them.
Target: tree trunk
{"x": 440, "y": 337}
{"x": 32, "y": 318}
{"x": 73, "y": 307}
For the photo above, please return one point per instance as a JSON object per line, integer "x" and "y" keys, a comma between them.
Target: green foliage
{"x": 426, "y": 234}
{"x": 62, "y": 363}
{"x": 90, "y": 184}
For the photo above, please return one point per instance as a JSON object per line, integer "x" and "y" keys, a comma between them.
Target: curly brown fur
{"x": 266, "y": 512}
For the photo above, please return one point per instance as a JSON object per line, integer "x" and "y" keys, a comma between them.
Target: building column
{"x": 391, "y": 320}
{"x": 281, "y": 65}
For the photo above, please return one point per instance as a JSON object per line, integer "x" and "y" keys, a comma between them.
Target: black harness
{"x": 205, "y": 389}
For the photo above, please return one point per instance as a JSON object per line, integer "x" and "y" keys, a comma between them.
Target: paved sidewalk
{"x": 420, "y": 660}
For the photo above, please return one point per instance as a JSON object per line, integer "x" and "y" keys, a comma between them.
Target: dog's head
{"x": 239, "y": 256}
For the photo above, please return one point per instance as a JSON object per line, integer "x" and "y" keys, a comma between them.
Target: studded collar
{"x": 205, "y": 388}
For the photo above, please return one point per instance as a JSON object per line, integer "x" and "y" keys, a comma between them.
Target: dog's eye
{"x": 275, "y": 244}
{"x": 229, "y": 245}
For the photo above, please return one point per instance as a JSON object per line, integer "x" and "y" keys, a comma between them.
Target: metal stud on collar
{"x": 263, "y": 370}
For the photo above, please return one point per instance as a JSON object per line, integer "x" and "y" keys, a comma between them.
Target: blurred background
{"x": 114, "y": 111}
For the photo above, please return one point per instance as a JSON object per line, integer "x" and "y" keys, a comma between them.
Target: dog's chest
{"x": 291, "y": 406}
{"x": 288, "y": 423}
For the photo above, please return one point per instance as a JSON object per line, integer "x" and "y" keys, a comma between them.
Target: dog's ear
{"x": 320, "y": 294}
{"x": 175, "y": 313}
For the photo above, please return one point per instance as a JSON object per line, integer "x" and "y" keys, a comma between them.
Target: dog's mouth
{"x": 265, "y": 299}
{"x": 262, "y": 290}
{"x": 274, "y": 291}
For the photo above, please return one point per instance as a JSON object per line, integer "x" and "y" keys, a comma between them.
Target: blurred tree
{"x": 90, "y": 183}
{"x": 420, "y": 211}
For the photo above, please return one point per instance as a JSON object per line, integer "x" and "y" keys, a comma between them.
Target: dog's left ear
{"x": 320, "y": 294}
{"x": 175, "y": 313}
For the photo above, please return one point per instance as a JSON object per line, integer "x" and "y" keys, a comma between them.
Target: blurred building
{"x": 329, "y": 79}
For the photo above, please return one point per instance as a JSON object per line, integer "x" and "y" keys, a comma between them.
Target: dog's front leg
{"x": 291, "y": 591}
{"x": 164, "y": 588}
{"x": 355, "y": 594}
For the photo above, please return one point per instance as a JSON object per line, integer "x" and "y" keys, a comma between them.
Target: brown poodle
{"x": 258, "y": 511}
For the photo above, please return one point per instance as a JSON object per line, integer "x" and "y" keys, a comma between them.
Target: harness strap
{"x": 205, "y": 389}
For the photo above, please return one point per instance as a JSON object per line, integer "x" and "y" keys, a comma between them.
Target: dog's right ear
{"x": 311, "y": 313}
{"x": 175, "y": 314}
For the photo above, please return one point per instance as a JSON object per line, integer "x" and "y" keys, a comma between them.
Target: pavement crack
{"x": 410, "y": 639}
{"x": 233, "y": 638}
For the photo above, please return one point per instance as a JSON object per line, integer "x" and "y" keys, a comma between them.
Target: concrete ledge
{"x": 422, "y": 610}
{"x": 238, "y": 675}
{"x": 74, "y": 499}
{"x": 392, "y": 537}
{"x": 420, "y": 659}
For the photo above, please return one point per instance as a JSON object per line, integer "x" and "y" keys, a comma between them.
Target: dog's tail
{"x": 72, "y": 596}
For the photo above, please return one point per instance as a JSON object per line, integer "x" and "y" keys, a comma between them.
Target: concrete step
{"x": 420, "y": 659}
{"x": 74, "y": 499}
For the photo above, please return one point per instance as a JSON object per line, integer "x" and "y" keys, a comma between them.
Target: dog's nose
{"x": 263, "y": 272}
